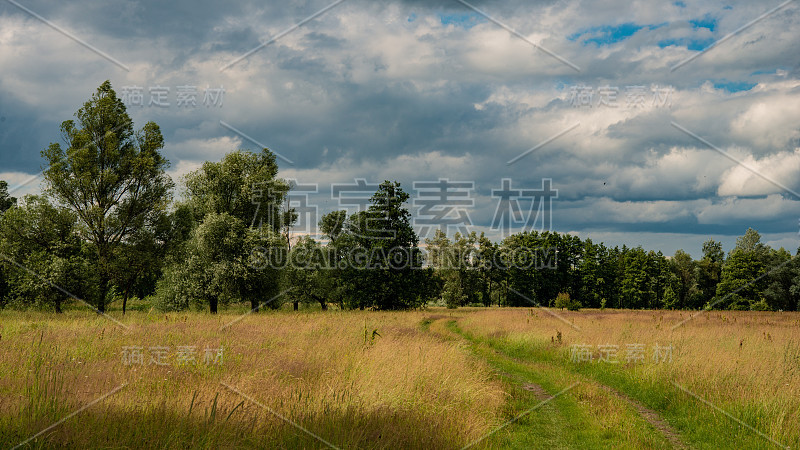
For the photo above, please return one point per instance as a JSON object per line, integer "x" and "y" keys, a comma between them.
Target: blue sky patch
{"x": 463, "y": 20}
{"x": 607, "y": 34}
{"x": 734, "y": 86}
{"x": 705, "y": 22}
{"x": 691, "y": 44}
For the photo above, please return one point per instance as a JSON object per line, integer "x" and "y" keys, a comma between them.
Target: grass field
{"x": 488, "y": 378}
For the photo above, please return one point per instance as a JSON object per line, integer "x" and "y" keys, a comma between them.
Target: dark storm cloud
{"x": 21, "y": 135}
{"x": 377, "y": 122}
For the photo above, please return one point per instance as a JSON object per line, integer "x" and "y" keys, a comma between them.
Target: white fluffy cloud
{"x": 767, "y": 175}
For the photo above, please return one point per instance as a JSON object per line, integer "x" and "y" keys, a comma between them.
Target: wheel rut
{"x": 651, "y": 416}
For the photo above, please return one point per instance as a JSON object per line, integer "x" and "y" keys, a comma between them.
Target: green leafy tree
{"x": 244, "y": 185}
{"x": 708, "y": 271}
{"x": 524, "y": 277}
{"x": 750, "y": 242}
{"x": 684, "y": 268}
{"x": 659, "y": 273}
{"x": 671, "y": 299}
{"x": 49, "y": 260}
{"x": 562, "y": 300}
{"x": 394, "y": 278}
{"x": 111, "y": 177}
{"x": 540, "y": 265}
{"x": 452, "y": 292}
{"x": 440, "y": 256}
{"x": 633, "y": 284}
{"x": 244, "y": 188}
{"x": 490, "y": 270}
{"x": 140, "y": 260}
{"x": 473, "y": 285}
{"x": 738, "y": 287}
{"x": 217, "y": 257}
{"x": 591, "y": 280}
{"x": 741, "y": 282}
{"x": 779, "y": 294}
{"x": 6, "y": 201}
{"x": 309, "y": 275}
{"x": 794, "y": 290}
{"x": 377, "y": 250}
{"x": 609, "y": 274}
{"x": 333, "y": 224}
{"x": 451, "y": 263}
{"x": 218, "y": 268}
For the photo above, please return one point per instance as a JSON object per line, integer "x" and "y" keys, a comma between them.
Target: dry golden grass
{"x": 404, "y": 388}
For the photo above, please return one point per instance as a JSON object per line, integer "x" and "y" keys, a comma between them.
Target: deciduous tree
{"x": 111, "y": 177}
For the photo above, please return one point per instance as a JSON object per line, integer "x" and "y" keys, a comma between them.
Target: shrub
{"x": 574, "y": 305}
{"x": 760, "y": 306}
{"x": 670, "y": 298}
{"x": 452, "y": 294}
{"x": 174, "y": 290}
{"x": 563, "y": 300}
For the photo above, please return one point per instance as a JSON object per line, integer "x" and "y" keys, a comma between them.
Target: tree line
{"x": 752, "y": 276}
{"x": 107, "y": 229}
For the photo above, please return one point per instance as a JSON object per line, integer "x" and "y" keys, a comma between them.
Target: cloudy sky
{"x": 647, "y": 139}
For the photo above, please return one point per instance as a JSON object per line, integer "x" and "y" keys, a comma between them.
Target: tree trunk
{"x": 105, "y": 273}
{"x": 296, "y": 305}
{"x": 101, "y": 302}
{"x": 125, "y": 299}
{"x": 254, "y": 305}
{"x": 213, "y": 305}
{"x": 321, "y": 301}
{"x": 58, "y": 306}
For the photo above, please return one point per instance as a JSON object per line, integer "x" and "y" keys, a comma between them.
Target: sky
{"x": 661, "y": 124}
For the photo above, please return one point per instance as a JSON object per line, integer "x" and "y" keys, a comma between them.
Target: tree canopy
{"x": 111, "y": 177}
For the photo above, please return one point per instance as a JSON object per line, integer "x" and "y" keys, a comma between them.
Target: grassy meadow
{"x": 436, "y": 378}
